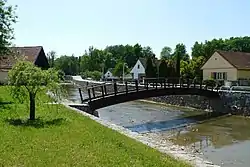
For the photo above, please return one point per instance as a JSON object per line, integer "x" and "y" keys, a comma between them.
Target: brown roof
{"x": 29, "y": 53}
{"x": 240, "y": 60}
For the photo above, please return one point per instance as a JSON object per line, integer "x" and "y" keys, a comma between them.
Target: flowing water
{"x": 223, "y": 140}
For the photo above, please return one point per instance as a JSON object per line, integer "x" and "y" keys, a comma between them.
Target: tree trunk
{"x": 32, "y": 106}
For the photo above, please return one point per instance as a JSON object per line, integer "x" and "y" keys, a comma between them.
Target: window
{"x": 138, "y": 66}
{"x": 219, "y": 75}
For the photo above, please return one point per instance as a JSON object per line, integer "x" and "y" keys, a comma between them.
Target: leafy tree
{"x": 118, "y": 70}
{"x": 147, "y": 52}
{"x": 171, "y": 69}
{"x": 186, "y": 70}
{"x": 207, "y": 48}
{"x": 163, "y": 69}
{"x": 180, "y": 50}
{"x": 7, "y": 18}
{"x": 68, "y": 64}
{"x": 27, "y": 81}
{"x": 95, "y": 75}
{"x": 166, "y": 53}
{"x": 51, "y": 58}
{"x": 178, "y": 65}
{"x": 150, "y": 69}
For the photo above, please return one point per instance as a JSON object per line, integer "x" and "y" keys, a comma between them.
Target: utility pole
{"x": 123, "y": 71}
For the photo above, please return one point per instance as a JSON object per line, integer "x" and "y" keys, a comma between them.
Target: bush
{"x": 95, "y": 75}
{"x": 210, "y": 82}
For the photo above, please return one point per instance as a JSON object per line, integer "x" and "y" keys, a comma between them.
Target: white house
{"x": 109, "y": 75}
{"x": 138, "y": 70}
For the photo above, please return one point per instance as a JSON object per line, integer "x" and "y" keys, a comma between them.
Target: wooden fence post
{"x": 80, "y": 92}
{"x": 126, "y": 86}
{"x": 89, "y": 94}
{"x": 115, "y": 88}
{"x": 136, "y": 85}
{"x": 102, "y": 91}
{"x": 93, "y": 91}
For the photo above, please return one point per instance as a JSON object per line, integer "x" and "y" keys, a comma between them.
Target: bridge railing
{"x": 104, "y": 90}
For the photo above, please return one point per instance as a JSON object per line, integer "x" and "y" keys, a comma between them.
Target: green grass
{"x": 62, "y": 137}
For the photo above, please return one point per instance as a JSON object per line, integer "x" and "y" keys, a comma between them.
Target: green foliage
{"x": 150, "y": 69}
{"x": 163, "y": 69}
{"x": 68, "y": 64}
{"x": 192, "y": 68}
{"x": 171, "y": 69}
{"x": 118, "y": 70}
{"x": 206, "y": 49}
{"x": 166, "y": 53}
{"x": 51, "y": 58}
{"x": 180, "y": 52}
{"x": 209, "y": 82}
{"x": 101, "y": 60}
{"x": 96, "y": 75}
{"x": 27, "y": 80}
{"x": 8, "y": 17}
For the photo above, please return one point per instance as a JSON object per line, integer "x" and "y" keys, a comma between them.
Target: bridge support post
{"x": 147, "y": 85}
{"x": 93, "y": 91}
{"x": 115, "y": 88}
{"x": 105, "y": 90}
{"x": 126, "y": 87}
{"x": 102, "y": 91}
{"x": 136, "y": 85}
{"x": 80, "y": 92}
{"x": 201, "y": 84}
{"x": 188, "y": 84}
{"x": 89, "y": 94}
{"x": 180, "y": 82}
{"x": 165, "y": 83}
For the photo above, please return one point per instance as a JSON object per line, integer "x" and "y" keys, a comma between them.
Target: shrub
{"x": 210, "y": 82}
{"x": 96, "y": 75}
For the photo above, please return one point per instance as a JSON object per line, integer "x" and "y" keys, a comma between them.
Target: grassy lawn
{"x": 61, "y": 137}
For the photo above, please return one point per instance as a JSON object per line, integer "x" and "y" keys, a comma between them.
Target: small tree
{"x": 163, "y": 69}
{"x": 118, "y": 70}
{"x": 27, "y": 80}
{"x": 7, "y": 18}
{"x": 150, "y": 69}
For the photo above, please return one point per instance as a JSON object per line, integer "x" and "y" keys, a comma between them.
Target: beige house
{"x": 229, "y": 66}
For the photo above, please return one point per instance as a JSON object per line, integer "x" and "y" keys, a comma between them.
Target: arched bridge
{"x": 110, "y": 94}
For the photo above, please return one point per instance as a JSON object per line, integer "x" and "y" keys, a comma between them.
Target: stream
{"x": 223, "y": 140}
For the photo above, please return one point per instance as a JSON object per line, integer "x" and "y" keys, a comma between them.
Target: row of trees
{"x": 174, "y": 62}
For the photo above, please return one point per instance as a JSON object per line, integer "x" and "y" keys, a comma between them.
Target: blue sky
{"x": 70, "y": 27}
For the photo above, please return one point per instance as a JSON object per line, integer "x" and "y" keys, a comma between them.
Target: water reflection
{"x": 72, "y": 93}
{"x": 225, "y": 141}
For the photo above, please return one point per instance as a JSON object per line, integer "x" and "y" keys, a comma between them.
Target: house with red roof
{"x": 34, "y": 54}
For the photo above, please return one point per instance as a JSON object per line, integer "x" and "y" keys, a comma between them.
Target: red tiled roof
{"x": 240, "y": 60}
{"x": 28, "y": 53}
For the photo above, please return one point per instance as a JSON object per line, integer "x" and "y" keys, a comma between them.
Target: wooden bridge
{"x": 104, "y": 95}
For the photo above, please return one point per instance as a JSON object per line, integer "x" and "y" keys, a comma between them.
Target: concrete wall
{"x": 3, "y": 77}
{"x": 243, "y": 74}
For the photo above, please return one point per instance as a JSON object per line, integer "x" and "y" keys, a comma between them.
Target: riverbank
{"x": 62, "y": 137}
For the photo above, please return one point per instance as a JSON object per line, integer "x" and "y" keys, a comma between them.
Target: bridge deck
{"x": 115, "y": 89}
